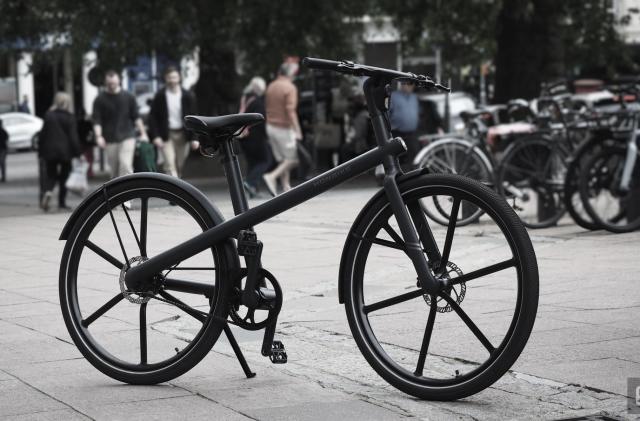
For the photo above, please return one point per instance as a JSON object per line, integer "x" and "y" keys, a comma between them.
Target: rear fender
{"x": 217, "y": 218}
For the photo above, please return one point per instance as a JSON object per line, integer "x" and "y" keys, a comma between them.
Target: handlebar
{"x": 355, "y": 69}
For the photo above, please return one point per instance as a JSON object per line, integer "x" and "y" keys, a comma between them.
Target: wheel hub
{"x": 136, "y": 297}
{"x": 456, "y": 291}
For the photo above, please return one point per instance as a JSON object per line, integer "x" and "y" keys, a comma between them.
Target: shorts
{"x": 283, "y": 143}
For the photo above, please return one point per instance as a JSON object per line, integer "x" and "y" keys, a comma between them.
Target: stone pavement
{"x": 583, "y": 348}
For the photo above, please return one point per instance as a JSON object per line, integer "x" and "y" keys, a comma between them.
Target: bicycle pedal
{"x": 278, "y": 353}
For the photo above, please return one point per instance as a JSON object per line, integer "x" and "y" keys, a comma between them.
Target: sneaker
{"x": 271, "y": 185}
{"x": 64, "y": 207}
{"x": 127, "y": 205}
{"x": 46, "y": 199}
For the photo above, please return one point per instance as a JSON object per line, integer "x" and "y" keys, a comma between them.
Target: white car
{"x": 22, "y": 128}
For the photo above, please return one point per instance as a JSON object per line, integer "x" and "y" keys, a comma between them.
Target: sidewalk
{"x": 583, "y": 348}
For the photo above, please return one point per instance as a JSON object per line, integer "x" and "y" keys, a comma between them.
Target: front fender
{"x": 342, "y": 273}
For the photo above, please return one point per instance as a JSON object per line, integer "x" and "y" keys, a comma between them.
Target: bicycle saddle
{"x": 224, "y": 125}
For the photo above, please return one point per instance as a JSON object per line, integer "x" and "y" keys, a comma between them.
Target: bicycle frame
{"x": 385, "y": 153}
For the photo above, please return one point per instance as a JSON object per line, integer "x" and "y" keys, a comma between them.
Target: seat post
{"x": 234, "y": 177}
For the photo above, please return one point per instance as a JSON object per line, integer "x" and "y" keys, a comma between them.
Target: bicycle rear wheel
{"x": 612, "y": 208}
{"x": 152, "y": 335}
{"x": 531, "y": 178}
{"x": 476, "y": 329}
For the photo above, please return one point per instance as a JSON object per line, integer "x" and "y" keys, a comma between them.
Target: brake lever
{"x": 427, "y": 82}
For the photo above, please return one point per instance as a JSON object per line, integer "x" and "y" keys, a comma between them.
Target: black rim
{"x": 600, "y": 192}
{"x": 82, "y": 242}
{"x": 452, "y": 158}
{"x": 362, "y": 308}
{"x": 532, "y": 177}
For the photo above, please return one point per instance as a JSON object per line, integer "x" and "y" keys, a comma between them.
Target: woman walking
{"x": 254, "y": 142}
{"x": 58, "y": 145}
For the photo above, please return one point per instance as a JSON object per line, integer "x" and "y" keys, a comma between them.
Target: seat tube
{"x": 234, "y": 177}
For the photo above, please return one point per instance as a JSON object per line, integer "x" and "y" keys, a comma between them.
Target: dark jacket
{"x": 159, "y": 113}
{"x": 59, "y": 137}
{"x": 4, "y": 139}
{"x": 254, "y": 145}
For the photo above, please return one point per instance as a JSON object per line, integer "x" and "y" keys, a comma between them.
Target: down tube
{"x": 267, "y": 210}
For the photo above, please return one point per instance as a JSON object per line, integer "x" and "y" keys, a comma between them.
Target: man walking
{"x": 115, "y": 119}
{"x": 166, "y": 117}
{"x": 404, "y": 118}
{"x": 283, "y": 128}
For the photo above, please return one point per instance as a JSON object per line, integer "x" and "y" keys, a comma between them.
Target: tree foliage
{"x": 529, "y": 41}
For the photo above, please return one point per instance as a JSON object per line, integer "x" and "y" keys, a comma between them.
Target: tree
{"x": 530, "y": 41}
{"x": 232, "y": 35}
{"x": 543, "y": 40}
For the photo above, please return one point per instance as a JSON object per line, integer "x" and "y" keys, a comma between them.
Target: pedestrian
{"x": 87, "y": 139}
{"x": 23, "y": 107}
{"x": 283, "y": 128}
{"x": 4, "y": 145}
{"x": 115, "y": 119}
{"x": 254, "y": 142}
{"x": 404, "y": 117}
{"x": 166, "y": 122}
{"x": 57, "y": 146}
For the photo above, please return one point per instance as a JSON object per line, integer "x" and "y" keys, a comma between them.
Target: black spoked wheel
{"x": 449, "y": 156}
{"x": 159, "y": 332}
{"x": 531, "y": 179}
{"x": 572, "y": 201}
{"x": 613, "y": 208}
{"x": 461, "y": 340}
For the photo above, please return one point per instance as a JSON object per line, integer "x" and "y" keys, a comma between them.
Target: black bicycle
{"x": 144, "y": 306}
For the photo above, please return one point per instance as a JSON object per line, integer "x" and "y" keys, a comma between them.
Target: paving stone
{"x": 583, "y": 347}
{"x": 18, "y": 398}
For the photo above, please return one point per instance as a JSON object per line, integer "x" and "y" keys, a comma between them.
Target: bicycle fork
{"x": 411, "y": 238}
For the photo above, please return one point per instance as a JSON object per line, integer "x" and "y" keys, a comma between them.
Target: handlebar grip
{"x": 320, "y": 64}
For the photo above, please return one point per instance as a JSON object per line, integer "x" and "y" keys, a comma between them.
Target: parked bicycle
{"x": 609, "y": 182}
{"x": 485, "y": 305}
{"x": 526, "y": 165}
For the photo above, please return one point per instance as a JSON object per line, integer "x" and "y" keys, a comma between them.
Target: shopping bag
{"x": 144, "y": 159}
{"x": 77, "y": 182}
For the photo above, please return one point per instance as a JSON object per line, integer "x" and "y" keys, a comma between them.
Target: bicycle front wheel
{"x": 464, "y": 338}
{"x": 156, "y": 334}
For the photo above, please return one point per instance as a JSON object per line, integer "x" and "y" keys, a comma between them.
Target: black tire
{"x": 448, "y": 156}
{"x": 103, "y": 355}
{"x": 614, "y": 210}
{"x": 572, "y": 201}
{"x": 387, "y": 358}
{"x": 531, "y": 179}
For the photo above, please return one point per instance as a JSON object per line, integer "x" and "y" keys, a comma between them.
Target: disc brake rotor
{"x": 132, "y": 296}
{"x": 456, "y": 291}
